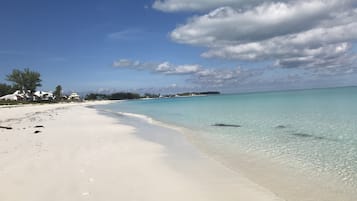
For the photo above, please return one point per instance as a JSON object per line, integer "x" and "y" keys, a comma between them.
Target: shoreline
{"x": 80, "y": 154}
{"x": 267, "y": 172}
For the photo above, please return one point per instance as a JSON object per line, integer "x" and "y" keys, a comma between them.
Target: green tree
{"x": 6, "y": 89}
{"x": 25, "y": 80}
{"x": 58, "y": 92}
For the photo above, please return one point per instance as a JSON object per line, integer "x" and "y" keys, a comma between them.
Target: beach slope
{"x": 72, "y": 152}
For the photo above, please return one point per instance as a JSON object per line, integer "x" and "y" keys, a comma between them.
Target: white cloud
{"x": 321, "y": 47}
{"x": 228, "y": 25}
{"x": 186, "y": 69}
{"x": 197, "y": 73}
{"x": 163, "y": 67}
{"x": 188, "y": 5}
{"x": 200, "y": 5}
{"x": 310, "y": 34}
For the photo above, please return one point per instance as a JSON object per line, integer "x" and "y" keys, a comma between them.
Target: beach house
{"x": 74, "y": 96}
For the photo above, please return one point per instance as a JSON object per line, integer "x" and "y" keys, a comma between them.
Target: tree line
{"x": 26, "y": 81}
{"x": 119, "y": 96}
{"x": 114, "y": 96}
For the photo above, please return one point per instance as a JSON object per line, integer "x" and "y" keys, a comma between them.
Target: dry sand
{"x": 71, "y": 152}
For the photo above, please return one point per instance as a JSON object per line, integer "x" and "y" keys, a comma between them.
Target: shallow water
{"x": 314, "y": 130}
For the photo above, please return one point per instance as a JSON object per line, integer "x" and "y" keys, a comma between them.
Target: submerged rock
{"x": 305, "y": 135}
{"x": 226, "y": 125}
{"x": 302, "y": 135}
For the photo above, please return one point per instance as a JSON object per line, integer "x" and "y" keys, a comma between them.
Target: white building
{"x": 17, "y": 95}
{"x": 74, "y": 96}
{"x": 37, "y": 96}
{"x": 12, "y": 97}
{"x": 43, "y": 95}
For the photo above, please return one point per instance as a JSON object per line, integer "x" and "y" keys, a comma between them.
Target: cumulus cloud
{"x": 314, "y": 34}
{"x": 202, "y": 5}
{"x": 227, "y": 25}
{"x": 197, "y": 74}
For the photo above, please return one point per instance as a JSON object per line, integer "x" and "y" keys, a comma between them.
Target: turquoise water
{"x": 315, "y": 129}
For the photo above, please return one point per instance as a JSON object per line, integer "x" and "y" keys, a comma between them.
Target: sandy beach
{"x": 71, "y": 152}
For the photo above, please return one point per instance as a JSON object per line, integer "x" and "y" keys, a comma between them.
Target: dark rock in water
{"x": 39, "y": 126}
{"x": 305, "y": 135}
{"x": 280, "y": 126}
{"x": 6, "y": 127}
{"x": 319, "y": 138}
{"x": 302, "y": 135}
{"x": 37, "y": 132}
{"x": 227, "y": 125}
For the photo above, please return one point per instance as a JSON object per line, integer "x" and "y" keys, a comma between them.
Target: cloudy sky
{"x": 179, "y": 45}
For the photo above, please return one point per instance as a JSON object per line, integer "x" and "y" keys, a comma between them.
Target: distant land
{"x": 126, "y": 95}
{"x": 199, "y": 93}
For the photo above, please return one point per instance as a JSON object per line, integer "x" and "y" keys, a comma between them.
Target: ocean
{"x": 312, "y": 131}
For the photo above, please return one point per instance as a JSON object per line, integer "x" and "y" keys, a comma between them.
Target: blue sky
{"x": 178, "y": 45}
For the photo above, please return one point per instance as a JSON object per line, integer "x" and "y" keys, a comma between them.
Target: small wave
{"x": 152, "y": 121}
{"x": 140, "y": 116}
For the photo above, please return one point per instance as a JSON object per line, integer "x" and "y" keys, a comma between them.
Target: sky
{"x": 168, "y": 46}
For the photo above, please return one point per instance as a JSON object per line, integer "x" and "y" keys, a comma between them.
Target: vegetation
{"x": 6, "y": 89}
{"x": 25, "y": 80}
{"x": 58, "y": 93}
{"x": 94, "y": 96}
{"x": 210, "y": 93}
{"x": 199, "y": 93}
{"x": 148, "y": 95}
{"x": 114, "y": 96}
{"x": 123, "y": 95}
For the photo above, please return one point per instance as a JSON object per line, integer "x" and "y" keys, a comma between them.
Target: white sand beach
{"x": 71, "y": 152}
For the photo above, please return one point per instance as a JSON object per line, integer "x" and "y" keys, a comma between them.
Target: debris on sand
{"x": 6, "y": 127}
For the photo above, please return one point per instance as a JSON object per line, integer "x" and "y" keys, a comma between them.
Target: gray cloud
{"x": 316, "y": 35}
